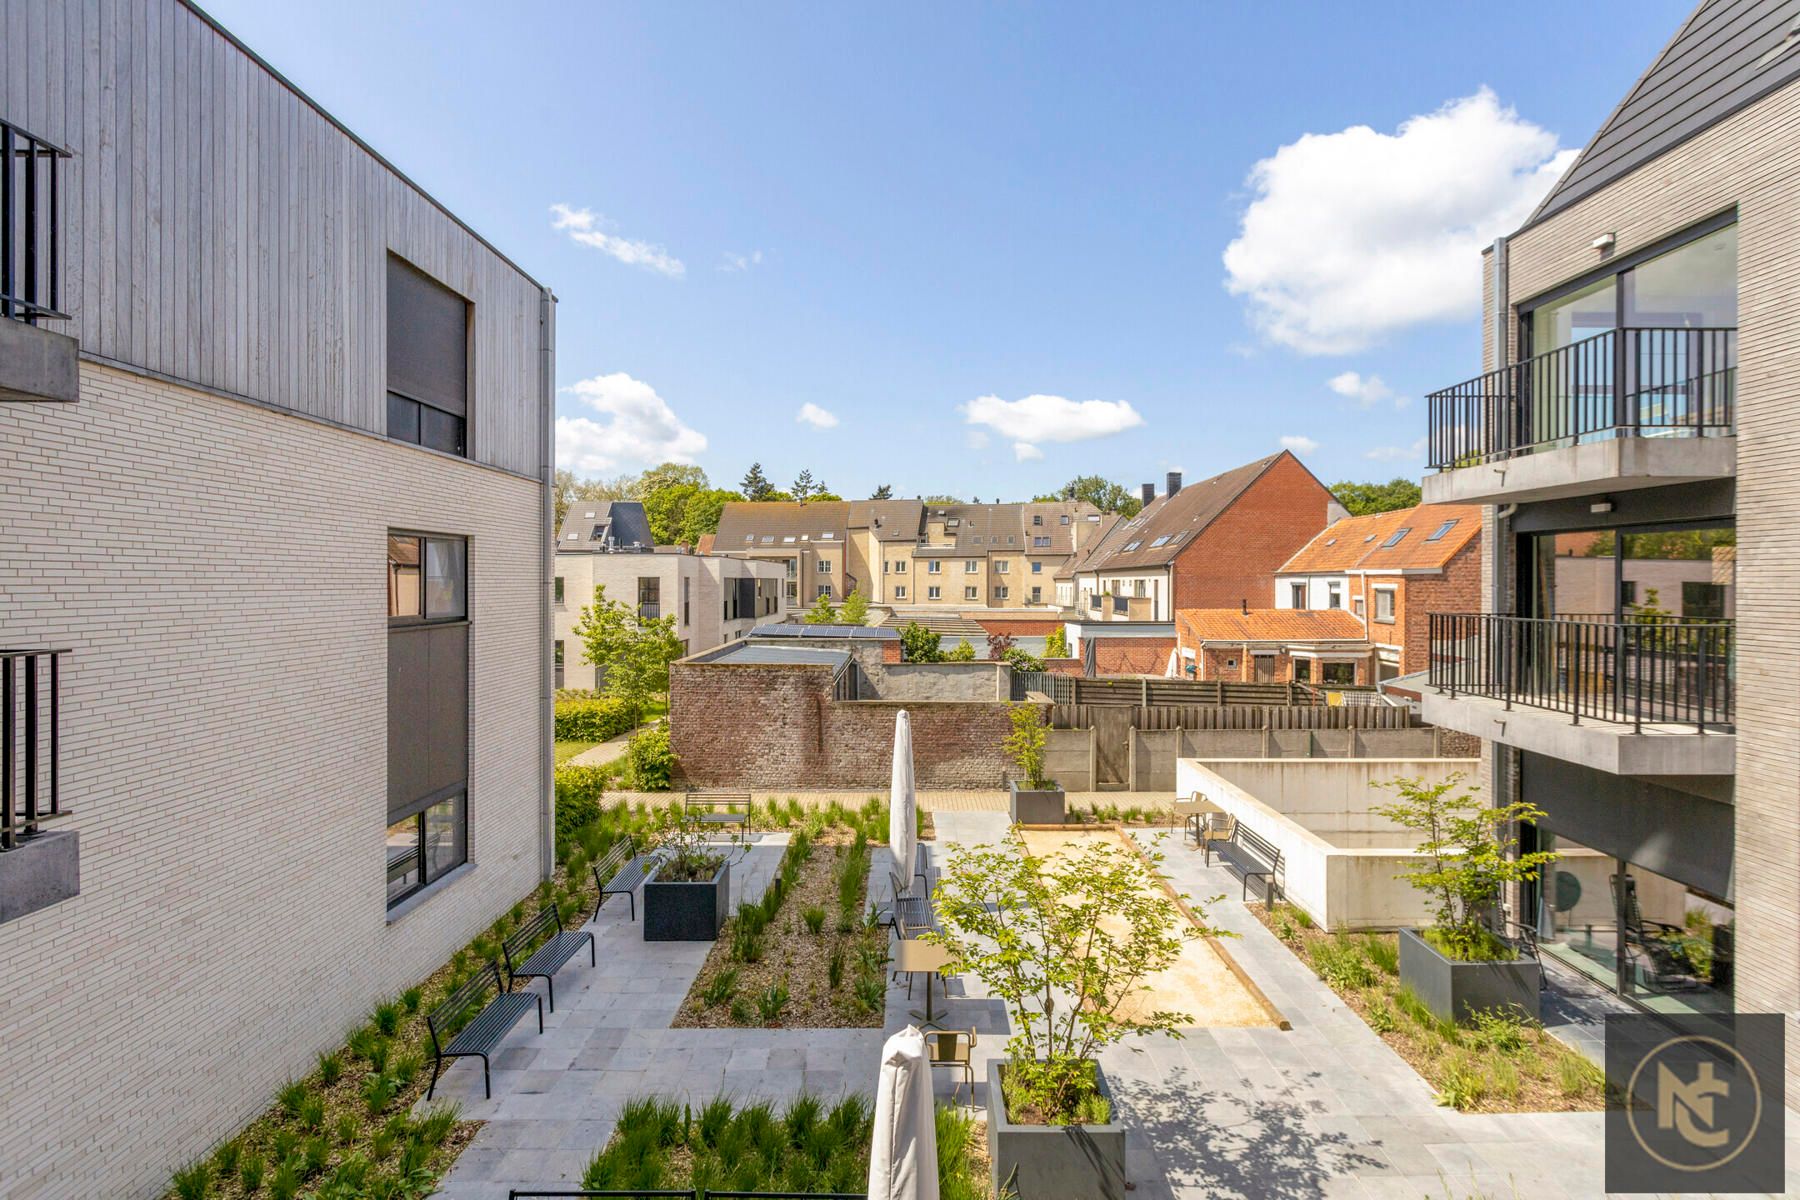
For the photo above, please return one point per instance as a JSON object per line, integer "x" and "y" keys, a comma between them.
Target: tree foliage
{"x": 919, "y": 644}
{"x": 822, "y": 613}
{"x": 856, "y": 608}
{"x": 1362, "y": 499}
{"x": 1057, "y": 644}
{"x": 1100, "y": 492}
{"x": 882, "y": 492}
{"x": 1469, "y": 856}
{"x": 1068, "y": 944}
{"x": 756, "y": 485}
{"x": 1026, "y": 743}
{"x": 633, "y": 651}
{"x": 961, "y": 652}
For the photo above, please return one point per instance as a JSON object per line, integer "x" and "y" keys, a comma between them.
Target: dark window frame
{"x": 464, "y": 442}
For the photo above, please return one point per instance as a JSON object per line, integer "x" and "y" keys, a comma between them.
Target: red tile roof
{"x": 1361, "y": 543}
{"x": 1269, "y": 625}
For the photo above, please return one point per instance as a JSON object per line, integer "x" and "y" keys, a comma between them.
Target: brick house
{"x": 1272, "y": 645}
{"x": 1390, "y": 571}
{"x": 1212, "y": 544}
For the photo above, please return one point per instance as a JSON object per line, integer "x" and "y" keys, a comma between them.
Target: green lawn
{"x": 568, "y": 750}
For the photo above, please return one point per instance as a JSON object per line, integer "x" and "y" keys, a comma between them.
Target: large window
{"x": 428, "y": 709}
{"x": 427, "y": 360}
{"x": 1646, "y": 575}
{"x": 1692, "y": 286}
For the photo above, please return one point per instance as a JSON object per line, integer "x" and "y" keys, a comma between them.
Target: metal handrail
{"x": 30, "y": 742}
{"x": 30, "y": 226}
{"x": 1630, "y": 382}
{"x": 1661, "y": 671}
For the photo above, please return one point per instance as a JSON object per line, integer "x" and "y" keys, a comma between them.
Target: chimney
{"x": 1149, "y": 494}
{"x": 1245, "y": 603}
{"x": 1173, "y": 484}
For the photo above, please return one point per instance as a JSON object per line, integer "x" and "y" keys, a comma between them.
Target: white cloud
{"x": 583, "y": 226}
{"x": 1040, "y": 418}
{"x": 977, "y": 439}
{"x": 1299, "y": 444}
{"x": 1352, "y": 235}
{"x": 1366, "y": 390}
{"x": 733, "y": 261}
{"x": 818, "y": 418}
{"x": 1397, "y": 453}
{"x": 639, "y": 427}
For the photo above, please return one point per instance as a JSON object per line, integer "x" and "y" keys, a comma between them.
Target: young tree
{"x": 856, "y": 608}
{"x": 633, "y": 651}
{"x": 804, "y": 486}
{"x": 756, "y": 485}
{"x": 961, "y": 652}
{"x": 1069, "y": 944}
{"x": 882, "y": 492}
{"x": 1470, "y": 856}
{"x": 1057, "y": 644}
{"x": 1026, "y": 743}
{"x": 821, "y": 613}
{"x": 919, "y": 644}
{"x": 1362, "y": 499}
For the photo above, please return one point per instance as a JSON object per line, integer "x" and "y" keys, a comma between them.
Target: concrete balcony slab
{"x": 1588, "y": 469}
{"x": 1674, "y": 750}
{"x": 37, "y": 364}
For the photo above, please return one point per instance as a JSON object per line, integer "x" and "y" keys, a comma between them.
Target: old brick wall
{"x": 1234, "y": 559}
{"x": 776, "y": 726}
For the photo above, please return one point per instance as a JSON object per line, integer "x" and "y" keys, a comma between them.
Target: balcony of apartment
{"x": 1642, "y": 696}
{"x": 35, "y": 363}
{"x": 39, "y": 864}
{"x": 1630, "y": 407}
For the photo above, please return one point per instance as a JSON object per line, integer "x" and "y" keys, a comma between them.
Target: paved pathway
{"x": 601, "y": 754}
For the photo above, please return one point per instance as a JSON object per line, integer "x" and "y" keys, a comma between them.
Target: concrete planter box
{"x": 1455, "y": 990}
{"x": 1037, "y": 806}
{"x": 686, "y": 912}
{"x": 1054, "y": 1162}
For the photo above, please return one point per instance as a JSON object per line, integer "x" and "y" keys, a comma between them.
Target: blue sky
{"x": 989, "y": 243}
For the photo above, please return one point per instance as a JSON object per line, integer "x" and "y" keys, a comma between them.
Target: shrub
{"x": 721, "y": 987}
{"x": 1381, "y": 1016}
{"x": 193, "y": 1181}
{"x": 580, "y": 797}
{"x": 771, "y": 1001}
{"x": 387, "y": 1018}
{"x": 291, "y": 1096}
{"x": 1500, "y": 1029}
{"x": 919, "y": 644}
{"x": 250, "y": 1173}
{"x": 650, "y": 760}
{"x": 312, "y": 1113}
{"x": 225, "y": 1159}
{"x": 741, "y": 1013}
{"x": 963, "y": 651}
{"x": 871, "y": 991}
{"x": 378, "y": 1092}
{"x": 592, "y": 719}
{"x": 411, "y": 998}
{"x": 1025, "y": 745}
{"x": 1022, "y": 660}
{"x": 814, "y": 916}
{"x": 1464, "y": 1086}
{"x": 1340, "y": 963}
{"x": 331, "y": 1069}
{"x": 834, "y": 968}
{"x": 285, "y": 1183}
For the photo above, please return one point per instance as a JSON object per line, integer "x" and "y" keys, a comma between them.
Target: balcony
{"x": 39, "y": 866}
{"x": 1636, "y": 697}
{"x": 1627, "y": 408}
{"x": 35, "y": 364}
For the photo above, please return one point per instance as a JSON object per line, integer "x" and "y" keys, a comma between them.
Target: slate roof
{"x": 889, "y": 520}
{"x": 1361, "y": 543}
{"x": 1728, "y": 54}
{"x": 1269, "y": 625}
{"x": 622, "y": 523}
{"x": 1169, "y": 523}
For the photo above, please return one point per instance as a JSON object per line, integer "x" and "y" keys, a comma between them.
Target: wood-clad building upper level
{"x": 221, "y": 230}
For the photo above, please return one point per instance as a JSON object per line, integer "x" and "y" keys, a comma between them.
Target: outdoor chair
{"x": 908, "y": 931}
{"x": 953, "y": 1048}
{"x": 1190, "y": 812}
{"x": 1648, "y": 944}
{"x": 1214, "y": 827}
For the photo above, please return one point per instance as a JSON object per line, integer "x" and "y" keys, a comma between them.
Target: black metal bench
{"x": 620, "y": 871}
{"x": 468, "y": 1025}
{"x": 544, "y": 962}
{"x": 907, "y": 908}
{"x": 704, "y": 807}
{"x": 1252, "y": 856}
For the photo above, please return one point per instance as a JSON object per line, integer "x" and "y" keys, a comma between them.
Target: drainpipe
{"x": 547, "y": 630}
{"x": 1500, "y": 757}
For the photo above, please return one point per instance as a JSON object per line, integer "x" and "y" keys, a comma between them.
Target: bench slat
{"x": 491, "y": 1027}
{"x": 553, "y": 954}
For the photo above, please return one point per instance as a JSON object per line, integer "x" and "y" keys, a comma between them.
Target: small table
{"x": 914, "y": 956}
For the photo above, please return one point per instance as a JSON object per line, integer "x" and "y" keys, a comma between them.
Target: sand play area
{"x": 1204, "y": 982}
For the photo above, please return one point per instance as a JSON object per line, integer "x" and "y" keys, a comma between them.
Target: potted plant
{"x": 1458, "y": 966}
{"x": 1036, "y": 800}
{"x": 688, "y": 892}
{"x": 1067, "y": 944}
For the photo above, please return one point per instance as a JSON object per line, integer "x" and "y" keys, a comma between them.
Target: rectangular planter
{"x": 1456, "y": 990}
{"x": 686, "y": 912}
{"x": 1054, "y": 1162}
{"x": 1037, "y": 806}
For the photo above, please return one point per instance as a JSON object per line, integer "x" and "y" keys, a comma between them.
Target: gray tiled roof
{"x": 622, "y": 523}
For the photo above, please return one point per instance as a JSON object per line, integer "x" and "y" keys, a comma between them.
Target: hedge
{"x": 580, "y": 793}
{"x": 593, "y": 720}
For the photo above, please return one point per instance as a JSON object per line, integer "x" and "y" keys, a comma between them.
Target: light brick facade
{"x": 217, "y": 570}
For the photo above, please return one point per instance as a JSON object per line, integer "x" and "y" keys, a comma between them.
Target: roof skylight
{"x": 1438, "y": 533}
{"x": 1398, "y": 535}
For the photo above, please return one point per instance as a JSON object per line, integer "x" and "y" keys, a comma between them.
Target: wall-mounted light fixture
{"x": 1604, "y": 242}
{"x": 1600, "y": 506}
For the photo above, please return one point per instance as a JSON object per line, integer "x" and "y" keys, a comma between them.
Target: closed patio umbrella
{"x": 903, "y": 802}
{"x": 903, "y": 1160}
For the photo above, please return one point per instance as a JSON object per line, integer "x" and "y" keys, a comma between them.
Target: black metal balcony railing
{"x": 30, "y": 237}
{"x": 30, "y": 742}
{"x": 1657, "y": 672}
{"x": 1621, "y": 383}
